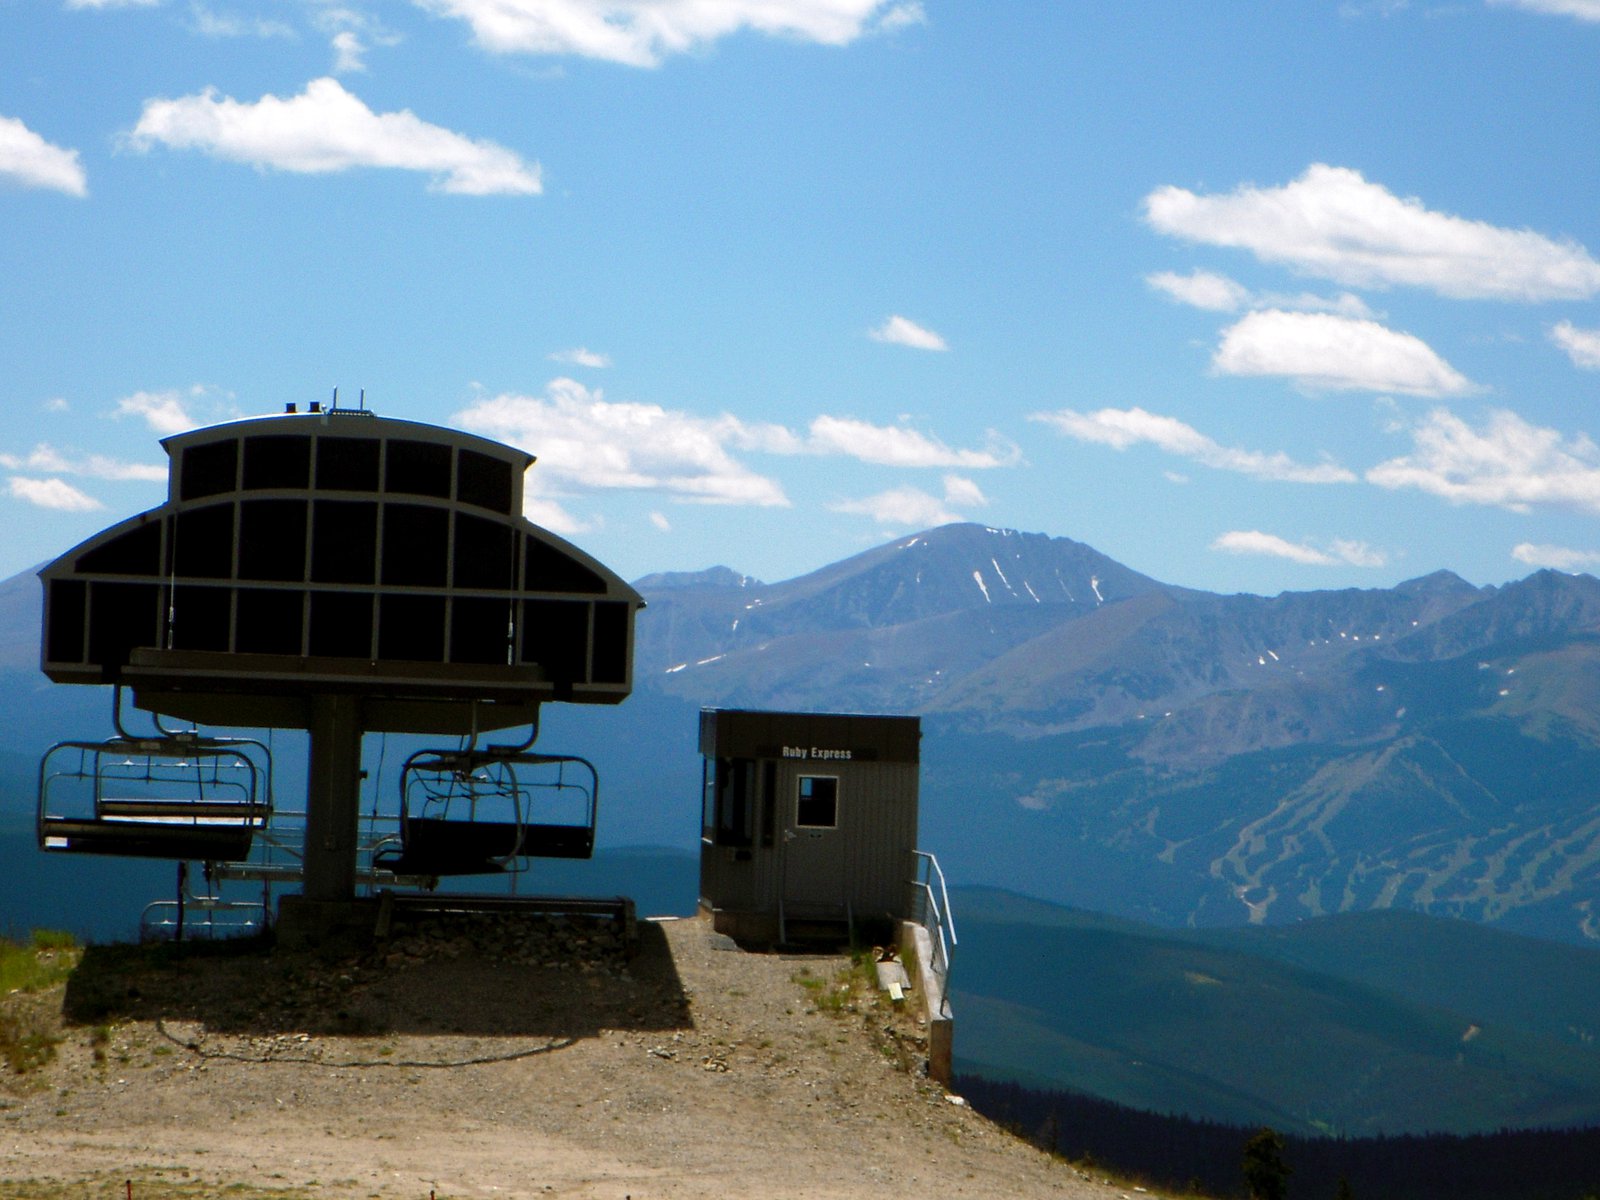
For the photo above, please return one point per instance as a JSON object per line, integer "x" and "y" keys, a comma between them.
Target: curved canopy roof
{"x": 340, "y": 552}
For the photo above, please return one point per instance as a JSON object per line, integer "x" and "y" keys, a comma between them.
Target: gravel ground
{"x": 496, "y": 1058}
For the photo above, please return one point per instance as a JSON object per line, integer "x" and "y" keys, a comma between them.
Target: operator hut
{"x": 809, "y": 821}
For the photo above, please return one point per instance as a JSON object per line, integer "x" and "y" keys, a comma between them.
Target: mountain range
{"x": 1099, "y": 738}
{"x": 1106, "y": 740}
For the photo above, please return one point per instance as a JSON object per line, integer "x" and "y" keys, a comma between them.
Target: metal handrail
{"x": 935, "y": 916}
{"x": 932, "y": 864}
{"x": 209, "y": 918}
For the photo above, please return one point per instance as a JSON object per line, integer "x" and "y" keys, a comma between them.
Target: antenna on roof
{"x": 335, "y": 398}
{"x": 363, "y": 400}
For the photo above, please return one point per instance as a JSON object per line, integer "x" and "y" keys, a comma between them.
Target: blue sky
{"x": 1249, "y": 296}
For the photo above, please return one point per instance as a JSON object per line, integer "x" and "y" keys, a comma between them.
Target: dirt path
{"x": 506, "y": 1068}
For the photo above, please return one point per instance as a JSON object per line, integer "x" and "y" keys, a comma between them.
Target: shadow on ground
{"x": 430, "y": 982}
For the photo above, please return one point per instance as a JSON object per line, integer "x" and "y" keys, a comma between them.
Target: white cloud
{"x": 48, "y": 460}
{"x": 1333, "y": 224}
{"x": 1121, "y": 428}
{"x": 580, "y": 356}
{"x": 1253, "y": 541}
{"x": 1582, "y": 345}
{"x": 898, "y": 331}
{"x": 219, "y": 25}
{"x": 1358, "y": 554}
{"x": 50, "y": 493}
{"x": 164, "y": 412}
{"x": 641, "y": 33}
{"x": 1561, "y": 558}
{"x": 1508, "y": 463}
{"x": 326, "y": 129}
{"x": 349, "y": 53}
{"x": 550, "y": 514}
{"x": 1202, "y": 289}
{"x": 963, "y": 493}
{"x": 911, "y": 506}
{"x": 897, "y": 446}
{"x": 103, "y": 4}
{"x": 659, "y": 520}
{"x": 1342, "y": 553}
{"x": 1583, "y": 10}
{"x": 1218, "y": 293}
{"x": 351, "y": 34}
{"x": 28, "y": 159}
{"x": 1345, "y": 304}
{"x": 901, "y": 15}
{"x": 1321, "y": 351}
{"x": 900, "y": 506}
{"x": 585, "y": 442}
{"x": 1361, "y": 9}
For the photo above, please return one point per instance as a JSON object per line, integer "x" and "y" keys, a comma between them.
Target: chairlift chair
{"x": 174, "y": 796}
{"x": 484, "y": 811}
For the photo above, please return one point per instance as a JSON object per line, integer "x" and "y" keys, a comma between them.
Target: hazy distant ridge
{"x": 1101, "y": 738}
{"x": 1186, "y": 756}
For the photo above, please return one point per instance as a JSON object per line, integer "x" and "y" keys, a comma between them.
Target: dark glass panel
{"x": 412, "y": 629}
{"x": 346, "y": 464}
{"x": 478, "y": 630}
{"x": 416, "y": 543}
{"x": 735, "y": 813}
{"x": 553, "y": 570}
{"x": 66, "y": 601}
{"x": 208, "y": 469}
{"x": 269, "y": 621}
{"x": 137, "y": 552}
{"x": 272, "y": 540}
{"x": 201, "y": 617}
{"x": 341, "y": 625}
{"x": 555, "y": 634}
{"x": 483, "y": 553}
{"x": 610, "y": 642}
{"x": 202, "y": 542}
{"x": 122, "y": 616}
{"x": 484, "y": 481}
{"x": 277, "y": 461}
{"x": 344, "y": 541}
{"x": 418, "y": 469}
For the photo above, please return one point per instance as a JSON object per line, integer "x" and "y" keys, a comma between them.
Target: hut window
{"x": 735, "y": 782}
{"x": 817, "y": 806}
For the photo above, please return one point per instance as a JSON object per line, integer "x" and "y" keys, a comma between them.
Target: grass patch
{"x": 24, "y": 1046}
{"x": 46, "y": 959}
{"x": 852, "y": 988}
{"x": 28, "y": 1037}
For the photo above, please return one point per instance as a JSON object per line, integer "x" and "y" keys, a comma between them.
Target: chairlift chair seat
{"x": 435, "y": 843}
{"x": 205, "y": 798}
{"x": 136, "y": 838}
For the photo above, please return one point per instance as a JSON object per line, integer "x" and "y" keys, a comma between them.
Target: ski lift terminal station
{"x": 342, "y": 573}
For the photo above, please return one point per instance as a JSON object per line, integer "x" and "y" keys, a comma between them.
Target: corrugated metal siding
{"x": 876, "y": 834}
{"x": 870, "y": 851}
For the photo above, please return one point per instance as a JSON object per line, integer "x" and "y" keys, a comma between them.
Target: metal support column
{"x": 333, "y": 798}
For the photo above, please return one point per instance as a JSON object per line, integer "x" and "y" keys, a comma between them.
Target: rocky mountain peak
{"x": 711, "y": 577}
